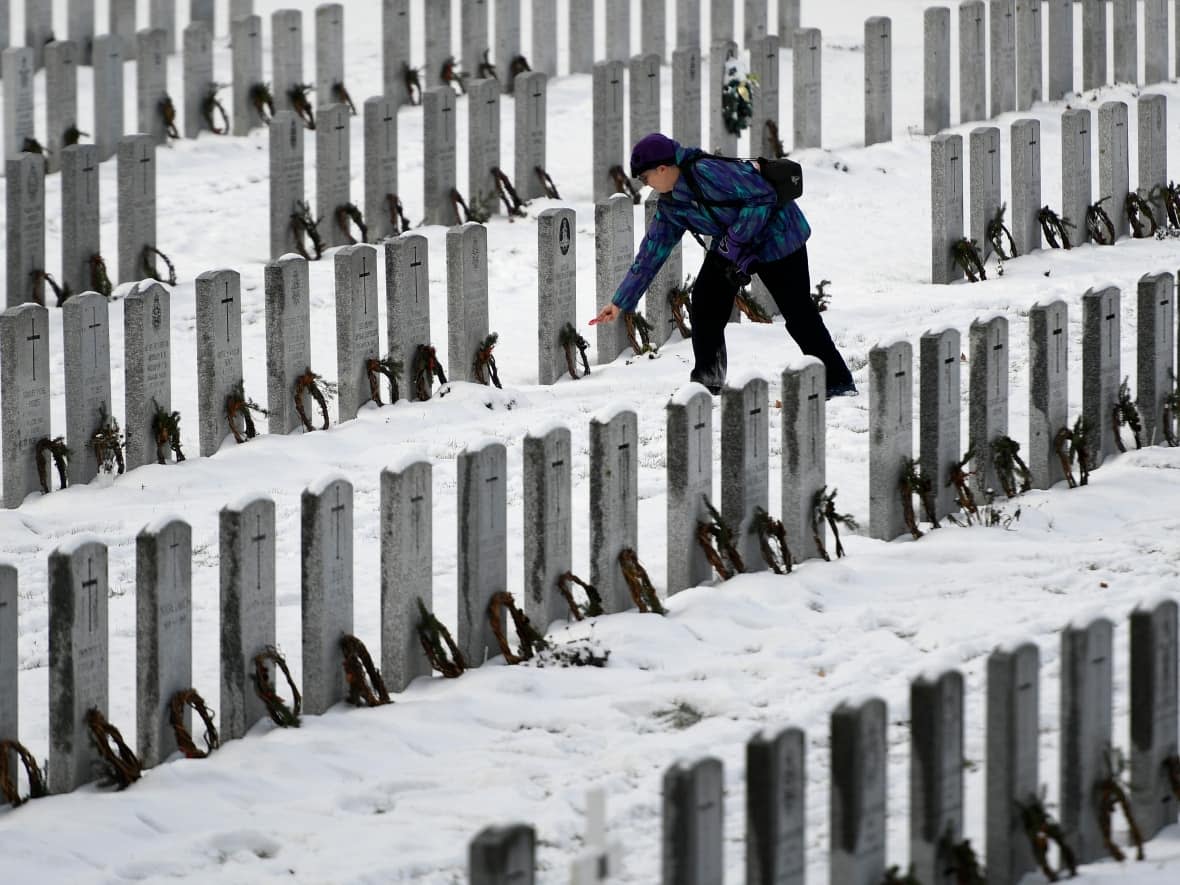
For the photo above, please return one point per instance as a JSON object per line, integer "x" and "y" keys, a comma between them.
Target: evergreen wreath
{"x": 737, "y": 87}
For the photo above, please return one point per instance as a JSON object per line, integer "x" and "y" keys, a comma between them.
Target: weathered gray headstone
{"x": 721, "y": 140}
{"x": 1060, "y": 48}
{"x": 764, "y": 64}
{"x": 946, "y": 205}
{"x": 503, "y": 856}
{"x": 326, "y": 557}
{"x": 581, "y": 49}
{"x": 807, "y": 87}
{"x": 548, "y": 523}
{"x": 1155, "y": 41}
{"x": 78, "y": 656}
{"x": 483, "y": 142}
{"x": 25, "y": 225}
{"x": 137, "y": 205}
{"x": 329, "y": 53}
{"x": 147, "y": 365}
{"x": 288, "y": 339}
{"x": 644, "y": 85}
{"x": 507, "y": 17}
{"x": 286, "y": 28}
{"x": 380, "y": 165}
{"x": 614, "y": 502}
{"x": 395, "y": 48}
{"x": 1048, "y": 390}
{"x": 286, "y": 180}
{"x": 938, "y": 415}
{"x": 438, "y": 108}
{"x": 745, "y": 464}
{"x": 1076, "y": 174}
{"x": 1125, "y": 29}
{"x": 467, "y": 298}
{"x": 987, "y": 411}
{"x": 556, "y": 291}
{"x": 694, "y": 823}
{"x": 618, "y": 30}
{"x": 688, "y": 24}
{"x": 544, "y": 54}
{"x": 985, "y": 184}
{"x": 247, "y": 72}
{"x": 689, "y": 478}
{"x": 936, "y": 774}
{"x": 407, "y": 305}
{"x": 657, "y": 309}
{"x": 1086, "y": 698}
{"x": 86, "y": 341}
{"x": 151, "y": 83}
{"x": 776, "y": 783}
{"x": 17, "y": 72}
{"x": 406, "y": 569}
{"x": 614, "y": 249}
{"x": 1002, "y": 54}
{"x": 438, "y": 42}
{"x": 1100, "y": 368}
{"x": 482, "y": 545}
{"x": 219, "y": 352}
{"x": 878, "y": 80}
{"x": 804, "y": 460}
{"x": 79, "y": 28}
{"x": 9, "y": 661}
{"x": 108, "y": 94}
{"x": 203, "y": 10}
{"x": 333, "y": 172}
{"x": 473, "y": 35}
{"x": 198, "y": 78}
{"x": 163, "y": 633}
{"x": 936, "y": 68}
{"x": 1026, "y": 184}
{"x": 891, "y": 434}
{"x": 972, "y": 61}
{"x": 162, "y": 15}
{"x": 1156, "y": 352}
{"x": 121, "y": 22}
{"x": 1093, "y": 43}
{"x": 686, "y": 95}
{"x": 857, "y": 802}
{"x": 247, "y": 554}
{"x": 608, "y": 150}
{"x": 653, "y": 27}
{"x": 1012, "y": 766}
{"x": 1030, "y": 82}
{"x": 357, "y": 326}
{"x": 39, "y": 27}
{"x": 24, "y": 408}
{"x": 1153, "y": 713}
{"x": 1153, "y": 152}
{"x": 1114, "y": 176}
{"x": 754, "y": 21}
{"x": 721, "y": 25}
{"x": 61, "y": 102}
{"x": 531, "y": 113}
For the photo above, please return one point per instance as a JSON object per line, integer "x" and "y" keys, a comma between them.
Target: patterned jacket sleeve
{"x": 726, "y": 180}
{"x": 661, "y": 238}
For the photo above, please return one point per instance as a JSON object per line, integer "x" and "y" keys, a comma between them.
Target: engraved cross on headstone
{"x": 87, "y": 173}
{"x": 364, "y": 278}
{"x": 537, "y": 102}
{"x": 336, "y": 511}
{"x": 900, "y": 375}
{"x": 996, "y": 348}
{"x": 388, "y": 120}
{"x": 33, "y": 337}
{"x": 416, "y": 502}
{"x": 94, "y": 327}
{"x": 175, "y": 563}
{"x": 90, "y": 589}
{"x": 947, "y": 362}
{"x": 991, "y": 165}
{"x": 340, "y": 128}
{"x": 956, "y": 178}
{"x": 814, "y": 47}
{"x": 614, "y": 93}
{"x": 555, "y": 487}
{"x": 625, "y": 457}
{"x": 144, "y": 162}
{"x": 227, "y": 301}
{"x": 813, "y": 405}
{"x": 258, "y": 539}
{"x": 599, "y": 862}
{"x": 414, "y": 265}
{"x": 754, "y": 413}
{"x": 1082, "y": 152}
{"x": 1058, "y": 341}
{"x": 491, "y": 509}
{"x": 1110, "y": 318}
{"x": 699, "y": 427}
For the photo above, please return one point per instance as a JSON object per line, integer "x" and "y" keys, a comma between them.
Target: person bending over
{"x": 751, "y": 233}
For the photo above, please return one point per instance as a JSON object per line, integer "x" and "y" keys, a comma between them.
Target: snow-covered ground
{"x": 395, "y": 794}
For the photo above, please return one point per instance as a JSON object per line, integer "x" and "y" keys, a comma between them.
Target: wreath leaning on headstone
{"x": 737, "y": 105}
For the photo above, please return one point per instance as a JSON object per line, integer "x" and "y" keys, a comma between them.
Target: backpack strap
{"x": 693, "y": 185}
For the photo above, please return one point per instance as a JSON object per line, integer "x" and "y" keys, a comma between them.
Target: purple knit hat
{"x": 652, "y": 151}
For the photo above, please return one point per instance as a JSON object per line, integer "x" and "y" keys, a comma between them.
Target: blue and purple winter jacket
{"x": 755, "y": 232}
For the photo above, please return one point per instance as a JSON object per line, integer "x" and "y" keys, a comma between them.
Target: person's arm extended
{"x": 659, "y": 241}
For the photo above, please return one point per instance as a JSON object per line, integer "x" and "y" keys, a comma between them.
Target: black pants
{"x": 789, "y": 282}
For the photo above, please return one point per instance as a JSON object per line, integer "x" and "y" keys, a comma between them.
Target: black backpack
{"x": 783, "y": 174}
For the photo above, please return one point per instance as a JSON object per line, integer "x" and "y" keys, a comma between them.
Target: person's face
{"x": 662, "y": 178}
